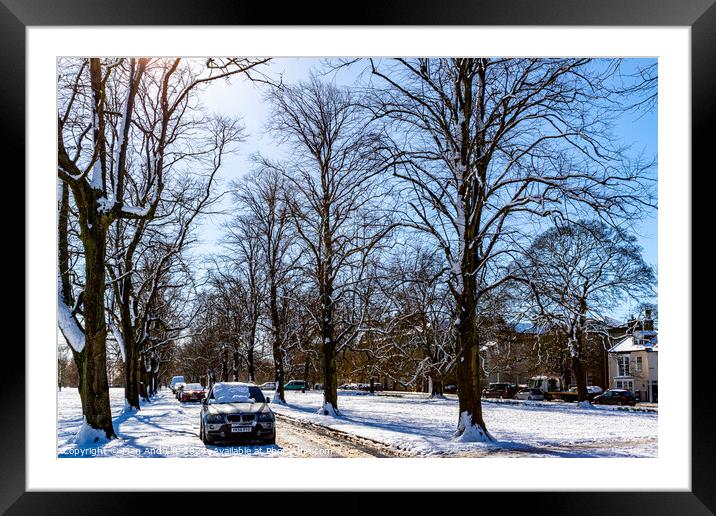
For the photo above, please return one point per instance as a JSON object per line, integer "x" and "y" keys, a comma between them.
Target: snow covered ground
{"x": 423, "y": 427}
{"x": 163, "y": 428}
{"x": 411, "y": 425}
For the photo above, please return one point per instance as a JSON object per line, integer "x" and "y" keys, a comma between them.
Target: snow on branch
{"x": 69, "y": 326}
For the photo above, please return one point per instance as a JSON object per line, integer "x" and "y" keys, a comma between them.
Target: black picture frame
{"x": 699, "y": 15}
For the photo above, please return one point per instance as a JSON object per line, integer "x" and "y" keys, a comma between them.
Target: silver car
{"x": 530, "y": 394}
{"x": 234, "y": 411}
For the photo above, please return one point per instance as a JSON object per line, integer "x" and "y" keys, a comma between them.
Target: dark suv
{"x": 616, "y": 397}
{"x": 236, "y": 411}
{"x": 500, "y": 390}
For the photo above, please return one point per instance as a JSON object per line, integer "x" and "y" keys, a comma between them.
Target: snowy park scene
{"x": 357, "y": 258}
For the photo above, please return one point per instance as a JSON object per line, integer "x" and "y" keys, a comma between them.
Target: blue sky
{"x": 244, "y": 99}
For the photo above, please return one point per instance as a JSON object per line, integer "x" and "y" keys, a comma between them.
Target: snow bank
{"x": 471, "y": 433}
{"x": 276, "y": 400}
{"x": 327, "y": 409}
{"x": 88, "y": 436}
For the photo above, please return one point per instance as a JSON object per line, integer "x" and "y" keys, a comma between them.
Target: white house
{"x": 634, "y": 365}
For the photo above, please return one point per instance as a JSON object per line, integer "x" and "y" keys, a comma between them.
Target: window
{"x": 638, "y": 365}
{"x": 623, "y": 364}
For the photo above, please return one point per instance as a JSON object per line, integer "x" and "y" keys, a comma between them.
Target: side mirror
{"x": 268, "y": 399}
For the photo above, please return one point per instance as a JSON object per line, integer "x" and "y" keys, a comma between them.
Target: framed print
{"x": 448, "y": 242}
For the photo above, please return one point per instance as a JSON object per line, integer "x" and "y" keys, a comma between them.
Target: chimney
{"x": 648, "y": 320}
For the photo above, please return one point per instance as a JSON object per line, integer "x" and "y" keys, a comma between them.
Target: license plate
{"x": 240, "y": 429}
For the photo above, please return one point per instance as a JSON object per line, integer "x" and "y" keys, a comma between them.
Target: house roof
{"x": 639, "y": 341}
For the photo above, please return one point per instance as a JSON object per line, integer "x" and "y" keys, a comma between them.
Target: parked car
{"x": 450, "y": 388}
{"x": 319, "y": 387}
{"x": 500, "y": 390}
{"x": 616, "y": 397}
{"x": 592, "y": 390}
{"x": 268, "y": 386}
{"x": 174, "y": 383}
{"x": 235, "y": 411}
{"x": 377, "y": 386}
{"x": 530, "y": 394}
{"x": 295, "y": 385}
{"x": 192, "y": 392}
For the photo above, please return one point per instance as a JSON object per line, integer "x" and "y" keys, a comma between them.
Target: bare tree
{"x": 263, "y": 217}
{"x": 577, "y": 272}
{"x": 137, "y": 280}
{"x": 421, "y": 318}
{"x": 333, "y": 174}
{"x": 118, "y": 120}
{"x": 484, "y": 146}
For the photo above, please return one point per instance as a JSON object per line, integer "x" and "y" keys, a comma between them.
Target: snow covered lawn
{"x": 424, "y": 427}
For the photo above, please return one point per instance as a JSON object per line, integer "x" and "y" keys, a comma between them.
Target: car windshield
{"x": 193, "y": 387}
{"x": 236, "y": 393}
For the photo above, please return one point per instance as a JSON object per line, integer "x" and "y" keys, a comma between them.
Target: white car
{"x": 594, "y": 389}
{"x": 268, "y": 386}
{"x": 174, "y": 384}
{"x": 530, "y": 394}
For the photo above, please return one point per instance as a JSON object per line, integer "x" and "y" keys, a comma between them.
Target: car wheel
{"x": 202, "y": 434}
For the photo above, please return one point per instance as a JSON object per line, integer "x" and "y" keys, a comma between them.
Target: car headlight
{"x": 265, "y": 416}
{"x": 215, "y": 418}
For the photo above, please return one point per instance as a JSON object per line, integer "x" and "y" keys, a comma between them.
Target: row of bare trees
{"x": 137, "y": 157}
{"x": 398, "y": 225}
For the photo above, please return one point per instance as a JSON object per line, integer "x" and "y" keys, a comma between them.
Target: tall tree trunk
{"x": 142, "y": 377}
{"x": 437, "y": 389}
{"x": 94, "y": 386}
{"x": 576, "y": 358}
{"x": 330, "y": 378}
{"x": 276, "y": 342}
{"x": 250, "y": 354}
{"x": 328, "y": 342}
{"x": 131, "y": 356}
{"x": 470, "y": 423}
{"x": 131, "y": 378}
{"x": 224, "y": 364}
{"x": 306, "y": 368}
{"x": 235, "y": 364}
{"x": 581, "y": 380}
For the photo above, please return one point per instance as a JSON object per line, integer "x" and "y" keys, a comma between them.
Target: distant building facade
{"x": 634, "y": 361}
